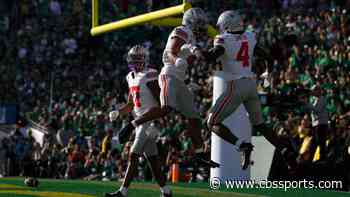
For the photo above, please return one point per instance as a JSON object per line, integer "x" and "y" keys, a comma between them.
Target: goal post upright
{"x": 95, "y": 13}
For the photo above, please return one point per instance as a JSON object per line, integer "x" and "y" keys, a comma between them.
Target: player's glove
{"x": 113, "y": 115}
{"x": 190, "y": 53}
{"x": 185, "y": 51}
{"x": 197, "y": 52}
{"x": 125, "y": 132}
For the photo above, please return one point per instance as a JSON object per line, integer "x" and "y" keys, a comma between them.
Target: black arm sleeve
{"x": 262, "y": 54}
{"x": 214, "y": 53}
{"x": 155, "y": 89}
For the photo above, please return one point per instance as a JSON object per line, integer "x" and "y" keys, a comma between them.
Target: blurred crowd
{"x": 68, "y": 81}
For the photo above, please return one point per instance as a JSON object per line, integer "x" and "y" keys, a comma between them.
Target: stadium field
{"x": 67, "y": 188}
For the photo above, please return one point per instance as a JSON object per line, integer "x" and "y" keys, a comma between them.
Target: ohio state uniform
{"x": 169, "y": 68}
{"x": 143, "y": 100}
{"x": 241, "y": 83}
{"x": 238, "y": 57}
{"x": 141, "y": 95}
{"x": 174, "y": 92}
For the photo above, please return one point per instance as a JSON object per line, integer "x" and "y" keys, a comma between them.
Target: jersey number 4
{"x": 135, "y": 92}
{"x": 243, "y": 54}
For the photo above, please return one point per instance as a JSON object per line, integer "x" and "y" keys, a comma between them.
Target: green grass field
{"x": 62, "y": 188}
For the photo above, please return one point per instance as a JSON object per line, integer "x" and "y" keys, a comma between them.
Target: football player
{"x": 235, "y": 48}
{"x": 143, "y": 96}
{"x": 180, "y": 53}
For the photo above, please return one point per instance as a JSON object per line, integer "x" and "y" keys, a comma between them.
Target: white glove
{"x": 185, "y": 51}
{"x": 113, "y": 115}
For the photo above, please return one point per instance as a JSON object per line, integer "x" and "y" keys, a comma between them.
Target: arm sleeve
{"x": 214, "y": 53}
{"x": 260, "y": 53}
{"x": 155, "y": 89}
{"x": 218, "y": 50}
{"x": 152, "y": 83}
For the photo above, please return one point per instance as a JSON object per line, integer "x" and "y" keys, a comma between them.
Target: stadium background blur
{"x": 67, "y": 81}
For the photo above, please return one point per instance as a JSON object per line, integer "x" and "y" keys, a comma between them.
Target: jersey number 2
{"x": 243, "y": 54}
{"x": 135, "y": 92}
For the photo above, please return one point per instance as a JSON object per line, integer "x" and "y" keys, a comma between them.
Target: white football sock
{"x": 124, "y": 191}
{"x": 165, "y": 189}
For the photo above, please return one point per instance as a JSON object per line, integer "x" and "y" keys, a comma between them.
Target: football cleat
{"x": 163, "y": 194}
{"x": 246, "y": 149}
{"x": 200, "y": 159}
{"x": 125, "y": 132}
{"x": 31, "y": 182}
{"x": 115, "y": 194}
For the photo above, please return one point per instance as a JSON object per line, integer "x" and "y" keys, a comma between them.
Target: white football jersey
{"x": 238, "y": 57}
{"x": 141, "y": 95}
{"x": 169, "y": 68}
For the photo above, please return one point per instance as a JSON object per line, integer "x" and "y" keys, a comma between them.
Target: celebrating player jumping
{"x": 234, "y": 48}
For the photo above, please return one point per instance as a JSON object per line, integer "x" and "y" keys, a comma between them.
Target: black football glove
{"x": 125, "y": 132}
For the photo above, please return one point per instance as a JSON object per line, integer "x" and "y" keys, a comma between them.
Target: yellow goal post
{"x": 163, "y": 17}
